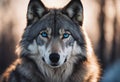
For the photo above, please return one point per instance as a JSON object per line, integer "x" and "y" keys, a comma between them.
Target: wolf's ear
{"x": 75, "y": 11}
{"x": 35, "y": 10}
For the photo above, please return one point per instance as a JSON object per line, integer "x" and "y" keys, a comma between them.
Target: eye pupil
{"x": 44, "y": 34}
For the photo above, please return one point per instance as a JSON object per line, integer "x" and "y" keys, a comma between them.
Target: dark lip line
{"x": 54, "y": 64}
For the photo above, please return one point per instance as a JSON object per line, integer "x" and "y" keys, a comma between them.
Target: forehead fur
{"x": 54, "y": 20}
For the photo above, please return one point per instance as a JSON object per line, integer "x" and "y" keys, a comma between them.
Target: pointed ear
{"x": 36, "y": 9}
{"x": 75, "y": 11}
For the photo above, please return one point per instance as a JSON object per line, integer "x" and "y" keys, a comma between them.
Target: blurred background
{"x": 101, "y": 21}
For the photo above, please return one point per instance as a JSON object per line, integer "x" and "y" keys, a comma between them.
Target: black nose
{"x": 54, "y": 57}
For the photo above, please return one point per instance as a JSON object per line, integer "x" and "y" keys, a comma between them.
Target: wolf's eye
{"x": 44, "y": 34}
{"x": 66, "y": 35}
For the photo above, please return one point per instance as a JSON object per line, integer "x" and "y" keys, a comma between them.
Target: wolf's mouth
{"x": 54, "y": 64}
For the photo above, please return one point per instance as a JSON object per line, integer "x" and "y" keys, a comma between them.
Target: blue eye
{"x": 66, "y": 35}
{"x": 44, "y": 34}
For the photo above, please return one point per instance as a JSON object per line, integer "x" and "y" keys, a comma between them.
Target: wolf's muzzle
{"x": 54, "y": 58}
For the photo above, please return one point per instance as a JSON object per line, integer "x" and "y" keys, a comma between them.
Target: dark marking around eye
{"x": 39, "y": 41}
{"x": 70, "y": 41}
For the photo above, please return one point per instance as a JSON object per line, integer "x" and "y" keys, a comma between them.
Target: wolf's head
{"x": 53, "y": 36}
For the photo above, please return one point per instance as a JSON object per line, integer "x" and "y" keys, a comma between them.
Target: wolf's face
{"x": 53, "y": 36}
{"x": 55, "y": 49}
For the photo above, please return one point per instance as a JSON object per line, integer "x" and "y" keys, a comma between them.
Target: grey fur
{"x": 81, "y": 66}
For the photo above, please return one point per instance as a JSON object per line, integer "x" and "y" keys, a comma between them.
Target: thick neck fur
{"x": 30, "y": 69}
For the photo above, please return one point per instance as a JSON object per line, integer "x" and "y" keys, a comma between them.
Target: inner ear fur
{"x": 36, "y": 10}
{"x": 74, "y": 10}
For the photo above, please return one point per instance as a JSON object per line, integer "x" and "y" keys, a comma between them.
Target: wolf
{"x": 54, "y": 47}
